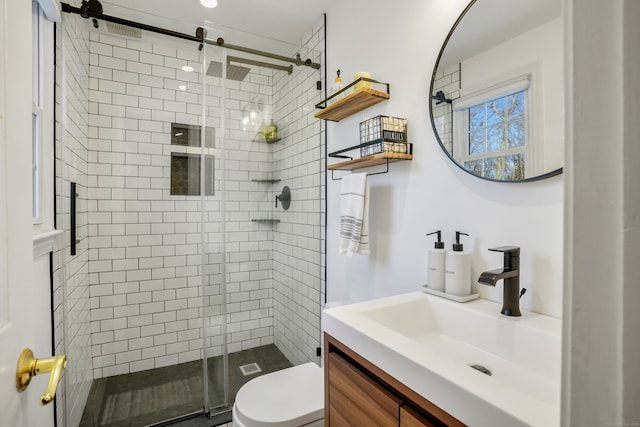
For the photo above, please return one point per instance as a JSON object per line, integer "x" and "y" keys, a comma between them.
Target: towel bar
{"x": 369, "y": 174}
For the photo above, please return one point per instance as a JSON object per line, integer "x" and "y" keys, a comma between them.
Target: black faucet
{"x": 511, "y": 274}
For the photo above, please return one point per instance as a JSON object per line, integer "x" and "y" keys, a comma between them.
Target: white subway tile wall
{"x": 298, "y": 242}
{"x": 448, "y": 81}
{"x": 144, "y": 259}
{"x": 132, "y": 296}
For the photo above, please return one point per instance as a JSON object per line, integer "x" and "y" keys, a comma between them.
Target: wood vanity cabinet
{"x": 359, "y": 394}
{"x": 356, "y": 399}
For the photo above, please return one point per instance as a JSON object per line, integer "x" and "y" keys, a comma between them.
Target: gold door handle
{"x": 29, "y": 366}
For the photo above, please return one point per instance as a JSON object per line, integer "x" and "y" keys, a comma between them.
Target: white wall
{"x": 601, "y": 378}
{"x": 429, "y": 193}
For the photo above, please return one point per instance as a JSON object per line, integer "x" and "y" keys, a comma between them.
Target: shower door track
{"x": 200, "y": 37}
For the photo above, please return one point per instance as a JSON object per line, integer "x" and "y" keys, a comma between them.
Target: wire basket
{"x": 386, "y": 134}
{"x": 386, "y": 147}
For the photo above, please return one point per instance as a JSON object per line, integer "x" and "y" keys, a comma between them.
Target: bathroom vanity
{"x": 421, "y": 360}
{"x": 359, "y": 393}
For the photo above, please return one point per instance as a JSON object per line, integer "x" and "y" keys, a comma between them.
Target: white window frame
{"x": 36, "y": 98}
{"x": 513, "y": 82}
{"x": 43, "y": 119}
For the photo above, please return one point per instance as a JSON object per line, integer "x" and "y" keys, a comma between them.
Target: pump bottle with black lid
{"x": 458, "y": 269}
{"x": 436, "y": 264}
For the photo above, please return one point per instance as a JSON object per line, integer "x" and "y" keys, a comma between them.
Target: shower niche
{"x": 186, "y": 176}
{"x": 190, "y": 135}
{"x": 186, "y": 167}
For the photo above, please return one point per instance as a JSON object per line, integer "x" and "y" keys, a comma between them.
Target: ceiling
{"x": 285, "y": 20}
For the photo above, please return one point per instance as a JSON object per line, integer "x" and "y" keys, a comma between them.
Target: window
{"x": 497, "y": 138}
{"x": 42, "y": 120}
{"x": 493, "y": 138}
{"x": 37, "y": 109}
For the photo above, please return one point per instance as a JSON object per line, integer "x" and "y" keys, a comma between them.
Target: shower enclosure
{"x": 186, "y": 280}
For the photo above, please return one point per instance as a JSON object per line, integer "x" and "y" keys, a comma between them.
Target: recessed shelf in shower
{"x": 262, "y": 139}
{"x": 189, "y": 135}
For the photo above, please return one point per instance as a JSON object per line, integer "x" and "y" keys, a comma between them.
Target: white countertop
{"x": 428, "y": 343}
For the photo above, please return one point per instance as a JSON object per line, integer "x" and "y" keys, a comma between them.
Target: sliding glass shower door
{"x": 214, "y": 249}
{"x": 268, "y": 265}
{"x": 147, "y": 267}
{"x": 187, "y": 281}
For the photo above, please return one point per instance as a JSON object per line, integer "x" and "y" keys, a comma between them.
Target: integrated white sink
{"x": 429, "y": 343}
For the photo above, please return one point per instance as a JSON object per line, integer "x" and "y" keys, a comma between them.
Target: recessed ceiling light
{"x": 209, "y": 3}
{"x": 187, "y": 68}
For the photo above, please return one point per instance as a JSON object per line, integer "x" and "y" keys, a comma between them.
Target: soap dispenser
{"x": 458, "y": 269}
{"x": 435, "y": 264}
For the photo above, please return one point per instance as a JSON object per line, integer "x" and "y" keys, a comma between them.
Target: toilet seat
{"x": 291, "y": 397}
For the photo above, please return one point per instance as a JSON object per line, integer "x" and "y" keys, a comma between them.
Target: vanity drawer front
{"x": 411, "y": 418}
{"x": 357, "y": 400}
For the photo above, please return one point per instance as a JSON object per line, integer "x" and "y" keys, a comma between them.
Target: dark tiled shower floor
{"x": 156, "y": 395}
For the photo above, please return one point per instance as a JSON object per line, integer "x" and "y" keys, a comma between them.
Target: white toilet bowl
{"x": 292, "y": 397}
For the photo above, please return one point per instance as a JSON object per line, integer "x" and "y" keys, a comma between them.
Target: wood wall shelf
{"x": 368, "y": 161}
{"x": 354, "y": 102}
{"x": 351, "y": 104}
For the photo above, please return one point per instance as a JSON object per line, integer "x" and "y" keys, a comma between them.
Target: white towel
{"x": 354, "y": 215}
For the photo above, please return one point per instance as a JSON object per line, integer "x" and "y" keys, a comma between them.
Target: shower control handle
{"x": 284, "y": 197}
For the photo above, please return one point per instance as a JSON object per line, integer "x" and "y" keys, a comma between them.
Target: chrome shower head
{"x": 233, "y": 72}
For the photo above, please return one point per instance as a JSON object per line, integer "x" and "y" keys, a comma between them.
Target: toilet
{"x": 292, "y": 397}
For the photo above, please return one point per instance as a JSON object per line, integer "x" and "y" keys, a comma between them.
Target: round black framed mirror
{"x": 497, "y": 88}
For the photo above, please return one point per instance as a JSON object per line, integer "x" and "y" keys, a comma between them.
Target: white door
{"x": 20, "y": 320}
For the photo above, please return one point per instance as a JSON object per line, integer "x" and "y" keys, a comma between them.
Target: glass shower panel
{"x": 72, "y": 321}
{"x": 146, "y": 169}
{"x": 213, "y": 226}
{"x": 270, "y": 264}
{"x": 134, "y": 139}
